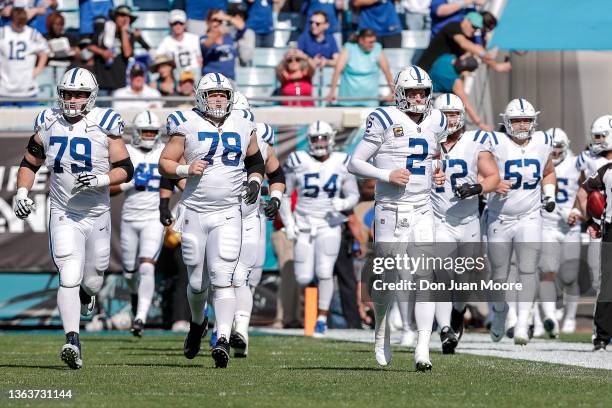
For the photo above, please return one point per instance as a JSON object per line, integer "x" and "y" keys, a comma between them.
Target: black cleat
{"x": 191, "y": 347}
{"x": 134, "y": 299}
{"x": 457, "y": 322}
{"x": 238, "y": 343}
{"x": 220, "y": 353}
{"x": 449, "y": 340}
{"x": 600, "y": 344}
{"x": 423, "y": 366}
{"x": 71, "y": 351}
{"x": 510, "y": 332}
{"x": 137, "y": 328}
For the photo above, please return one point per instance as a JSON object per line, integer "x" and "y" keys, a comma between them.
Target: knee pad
{"x": 568, "y": 272}
{"x": 229, "y": 245}
{"x": 192, "y": 251}
{"x": 102, "y": 254}
{"x": 241, "y": 274}
{"x": 302, "y": 279}
{"x": 62, "y": 242}
{"x": 93, "y": 283}
{"x": 195, "y": 277}
{"x": 70, "y": 273}
{"x": 221, "y": 275}
{"x": 301, "y": 251}
{"x": 255, "y": 277}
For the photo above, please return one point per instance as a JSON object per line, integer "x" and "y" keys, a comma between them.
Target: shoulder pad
{"x": 245, "y": 114}
{"x": 174, "y": 123}
{"x": 382, "y": 116}
{"x": 109, "y": 121}
{"x": 40, "y": 119}
{"x": 295, "y": 160}
{"x": 480, "y": 136}
{"x": 493, "y": 138}
{"x": 267, "y": 134}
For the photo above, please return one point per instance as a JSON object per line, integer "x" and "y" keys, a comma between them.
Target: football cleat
{"x": 449, "y": 340}
{"x": 71, "y": 351}
{"x": 193, "y": 341}
{"x": 220, "y": 353}
{"x": 510, "y": 332}
{"x": 421, "y": 354}
{"x": 137, "y": 328}
{"x": 521, "y": 335}
{"x": 239, "y": 344}
{"x": 457, "y": 322}
{"x": 320, "y": 328}
{"x": 600, "y": 344}
{"x": 88, "y": 303}
{"x": 552, "y": 328}
{"x": 537, "y": 330}
{"x": 382, "y": 341}
{"x": 569, "y": 326}
{"x": 498, "y": 323}
{"x": 408, "y": 338}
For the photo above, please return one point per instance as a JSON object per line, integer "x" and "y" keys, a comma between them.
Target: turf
{"x": 285, "y": 372}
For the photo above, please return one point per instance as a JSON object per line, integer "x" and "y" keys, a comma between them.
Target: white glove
{"x": 291, "y": 232}
{"x": 340, "y": 204}
{"x": 87, "y": 181}
{"x": 22, "y": 205}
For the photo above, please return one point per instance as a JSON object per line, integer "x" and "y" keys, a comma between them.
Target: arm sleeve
{"x": 360, "y": 165}
{"x": 285, "y": 208}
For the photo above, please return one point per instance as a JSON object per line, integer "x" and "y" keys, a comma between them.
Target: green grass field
{"x": 285, "y": 371}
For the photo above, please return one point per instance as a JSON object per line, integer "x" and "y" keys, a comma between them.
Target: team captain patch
{"x": 398, "y": 131}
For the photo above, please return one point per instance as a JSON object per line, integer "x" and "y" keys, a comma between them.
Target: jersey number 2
{"x": 85, "y": 157}
{"x": 231, "y": 145}
{"x": 412, "y": 158}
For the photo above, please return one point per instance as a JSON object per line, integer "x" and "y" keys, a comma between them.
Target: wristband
{"x": 182, "y": 170}
{"x": 103, "y": 180}
{"x": 22, "y": 193}
{"x": 276, "y": 194}
{"x": 549, "y": 190}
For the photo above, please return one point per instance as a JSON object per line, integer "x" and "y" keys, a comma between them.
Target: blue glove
{"x": 141, "y": 180}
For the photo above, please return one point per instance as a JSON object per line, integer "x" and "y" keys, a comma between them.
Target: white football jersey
{"x": 460, "y": 164}
{"x": 524, "y": 167}
{"x": 590, "y": 163}
{"x": 568, "y": 176}
{"x": 265, "y": 138}
{"x": 224, "y": 148}
{"x": 185, "y": 53}
{"x": 75, "y": 148}
{"x": 143, "y": 205}
{"x": 403, "y": 143}
{"x": 317, "y": 182}
{"x": 18, "y": 53}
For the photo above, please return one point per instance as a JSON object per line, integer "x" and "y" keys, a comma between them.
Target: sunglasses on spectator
{"x": 176, "y": 23}
{"x": 317, "y": 23}
{"x": 216, "y": 20}
{"x": 293, "y": 59}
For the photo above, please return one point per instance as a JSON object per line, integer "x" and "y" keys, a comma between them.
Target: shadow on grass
{"x": 172, "y": 365}
{"x": 43, "y": 367}
{"x": 344, "y": 369}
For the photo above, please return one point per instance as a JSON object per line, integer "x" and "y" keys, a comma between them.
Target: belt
{"x": 402, "y": 207}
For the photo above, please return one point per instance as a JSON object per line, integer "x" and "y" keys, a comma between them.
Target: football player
{"x": 324, "y": 188}
{"x": 514, "y": 219}
{"x": 470, "y": 170}
{"x": 218, "y": 144}
{"x": 141, "y": 233}
{"x": 397, "y": 150}
{"x": 561, "y": 242}
{"x": 82, "y": 147}
{"x": 253, "y": 248}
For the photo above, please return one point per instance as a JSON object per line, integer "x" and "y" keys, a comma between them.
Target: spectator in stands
{"x": 186, "y": 88}
{"x": 331, "y": 8}
{"x": 317, "y": 43}
{"x": 416, "y": 13}
{"x": 63, "y": 47}
{"x": 295, "y": 76}
{"x": 36, "y": 11}
{"x": 113, "y": 46}
{"x": 23, "y": 56}
{"x": 446, "y": 77}
{"x": 89, "y": 10}
{"x": 359, "y": 64}
{"x": 137, "y": 89}
{"x": 245, "y": 38}
{"x": 197, "y": 10}
{"x": 259, "y": 19}
{"x": 380, "y": 16}
{"x": 447, "y": 11}
{"x": 218, "y": 45}
{"x": 183, "y": 46}
{"x": 165, "y": 83}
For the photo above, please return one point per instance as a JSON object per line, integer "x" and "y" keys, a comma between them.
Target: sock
{"x": 224, "y": 301}
{"x": 69, "y": 306}
{"x": 146, "y": 289}
{"x": 322, "y": 318}
{"x": 443, "y": 313}
{"x": 84, "y": 297}
{"x": 326, "y": 291}
{"x": 571, "y": 305}
{"x": 197, "y": 303}
{"x": 424, "y": 315}
{"x": 526, "y": 298}
{"x": 134, "y": 302}
{"x": 244, "y": 301}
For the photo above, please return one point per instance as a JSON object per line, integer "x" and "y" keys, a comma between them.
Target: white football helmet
{"x": 412, "y": 77}
{"x": 320, "y": 138}
{"x": 520, "y": 109}
{"x": 214, "y": 82}
{"x": 144, "y": 121}
{"x": 77, "y": 79}
{"x": 601, "y": 134}
{"x": 240, "y": 101}
{"x": 451, "y": 103}
{"x": 560, "y": 143}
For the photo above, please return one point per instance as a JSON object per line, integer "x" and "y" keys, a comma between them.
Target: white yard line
{"x": 545, "y": 351}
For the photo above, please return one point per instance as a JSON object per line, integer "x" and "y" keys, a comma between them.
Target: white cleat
{"x": 551, "y": 325}
{"x": 521, "y": 335}
{"x": 498, "y": 323}
{"x": 569, "y": 326}
{"x": 421, "y": 351}
{"x": 382, "y": 342}
{"x": 408, "y": 338}
{"x": 538, "y": 329}
{"x": 88, "y": 309}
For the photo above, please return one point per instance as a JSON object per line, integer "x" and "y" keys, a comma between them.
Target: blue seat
{"x": 151, "y": 5}
{"x": 255, "y": 76}
{"x": 268, "y": 57}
